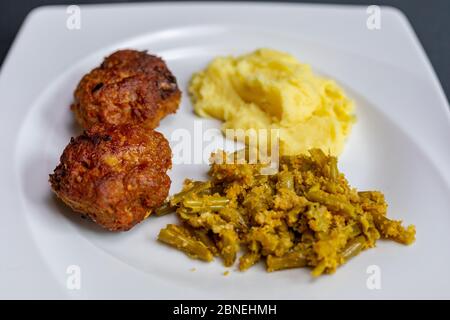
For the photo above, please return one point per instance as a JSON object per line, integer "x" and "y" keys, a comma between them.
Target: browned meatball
{"x": 129, "y": 87}
{"x": 114, "y": 174}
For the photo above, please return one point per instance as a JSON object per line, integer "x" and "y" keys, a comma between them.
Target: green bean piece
{"x": 286, "y": 180}
{"x": 295, "y": 259}
{"x": 229, "y": 246}
{"x": 393, "y": 229}
{"x": 353, "y": 230}
{"x": 318, "y": 156}
{"x": 332, "y": 202}
{"x": 194, "y": 203}
{"x": 334, "y": 172}
{"x": 203, "y": 236}
{"x": 185, "y": 214}
{"x": 179, "y": 237}
{"x": 376, "y": 196}
{"x": 212, "y": 203}
{"x": 353, "y": 248}
{"x": 166, "y": 208}
{"x": 248, "y": 260}
{"x": 197, "y": 187}
{"x": 233, "y": 216}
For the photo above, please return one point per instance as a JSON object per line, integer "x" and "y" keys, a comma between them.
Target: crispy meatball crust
{"x": 115, "y": 175}
{"x": 128, "y": 87}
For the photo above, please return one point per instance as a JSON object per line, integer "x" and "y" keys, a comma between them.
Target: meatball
{"x": 115, "y": 175}
{"x": 128, "y": 87}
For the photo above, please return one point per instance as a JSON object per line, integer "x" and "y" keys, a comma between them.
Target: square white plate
{"x": 400, "y": 145}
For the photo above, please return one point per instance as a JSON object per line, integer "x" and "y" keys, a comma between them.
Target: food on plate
{"x": 271, "y": 89}
{"x": 116, "y": 175}
{"x": 305, "y": 215}
{"x": 131, "y": 87}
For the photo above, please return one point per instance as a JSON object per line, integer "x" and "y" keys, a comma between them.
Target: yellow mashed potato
{"x": 270, "y": 89}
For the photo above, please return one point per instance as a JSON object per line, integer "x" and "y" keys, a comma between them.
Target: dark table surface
{"x": 429, "y": 18}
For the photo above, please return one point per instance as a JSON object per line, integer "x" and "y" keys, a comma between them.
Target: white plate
{"x": 400, "y": 145}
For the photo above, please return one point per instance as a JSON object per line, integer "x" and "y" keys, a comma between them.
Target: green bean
{"x": 353, "y": 230}
{"x": 179, "y": 238}
{"x": 194, "y": 203}
{"x": 196, "y": 188}
{"x": 393, "y": 229}
{"x": 332, "y": 202}
{"x": 353, "y": 248}
{"x": 233, "y": 216}
{"x": 147, "y": 214}
{"x": 185, "y": 214}
{"x": 286, "y": 180}
{"x": 295, "y": 259}
{"x": 372, "y": 195}
{"x": 164, "y": 209}
{"x": 330, "y": 187}
{"x": 318, "y": 156}
{"x": 320, "y": 268}
{"x": 202, "y": 235}
{"x": 212, "y": 203}
{"x": 229, "y": 246}
{"x": 334, "y": 172}
{"x": 248, "y": 260}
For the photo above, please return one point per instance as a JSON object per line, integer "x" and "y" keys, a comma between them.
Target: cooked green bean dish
{"x": 305, "y": 215}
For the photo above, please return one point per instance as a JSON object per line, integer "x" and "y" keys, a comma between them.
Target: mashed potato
{"x": 270, "y": 89}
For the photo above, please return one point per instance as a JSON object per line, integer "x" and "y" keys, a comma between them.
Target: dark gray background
{"x": 429, "y": 18}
